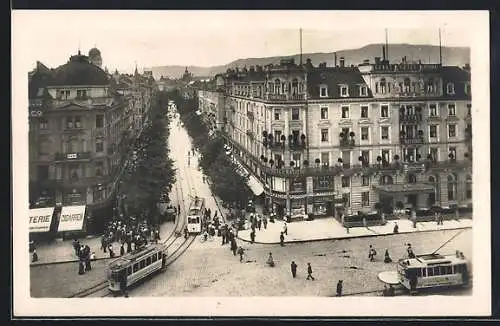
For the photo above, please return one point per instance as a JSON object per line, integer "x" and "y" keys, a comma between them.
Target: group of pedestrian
{"x": 85, "y": 256}
{"x": 439, "y": 218}
{"x": 293, "y": 268}
{"x": 257, "y": 221}
{"x": 128, "y": 233}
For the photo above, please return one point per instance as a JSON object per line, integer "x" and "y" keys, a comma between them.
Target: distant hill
{"x": 452, "y": 56}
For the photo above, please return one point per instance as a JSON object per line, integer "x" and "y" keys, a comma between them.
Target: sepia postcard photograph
{"x": 250, "y": 163}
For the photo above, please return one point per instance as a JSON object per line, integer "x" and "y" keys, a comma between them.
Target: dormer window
{"x": 344, "y": 91}
{"x": 450, "y": 88}
{"x": 323, "y": 91}
{"x": 363, "y": 90}
{"x": 467, "y": 88}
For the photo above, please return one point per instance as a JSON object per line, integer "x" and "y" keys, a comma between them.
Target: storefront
{"x": 297, "y": 207}
{"x": 323, "y": 205}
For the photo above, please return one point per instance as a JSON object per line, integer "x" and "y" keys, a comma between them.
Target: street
{"x": 210, "y": 269}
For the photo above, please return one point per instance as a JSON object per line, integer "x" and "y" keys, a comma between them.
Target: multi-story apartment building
{"x": 211, "y": 103}
{"x": 325, "y": 140}
{"x": 80, "y": 129}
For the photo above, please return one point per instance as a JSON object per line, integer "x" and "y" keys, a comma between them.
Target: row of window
{"x": 407, "y": 86}
{"x": 74, "y": 122}
{"x": 278, "y": 88}
{"x": 410, "y": 154}
{"x": 409, "y": 132}
{"x": 440, "y": 270}
{"x": 143, "y": 263}
{"x": 384, "y": 111}
{"x": 65, "y": 94}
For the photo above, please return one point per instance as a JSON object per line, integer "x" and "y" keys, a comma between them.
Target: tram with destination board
{"x": 195, "y": 215}
{"x": 135, "y": 266}
{"x": 433, "y": 271}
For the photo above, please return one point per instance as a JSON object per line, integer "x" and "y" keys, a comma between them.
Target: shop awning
{"x": 40, "y": 219}
{"x": 71, "y": 218}
{"x": 255, "y": 185}
{"x": 405, "y": 188}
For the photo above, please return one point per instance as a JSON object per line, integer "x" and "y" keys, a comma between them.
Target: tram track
{"x": 171, "y": 256}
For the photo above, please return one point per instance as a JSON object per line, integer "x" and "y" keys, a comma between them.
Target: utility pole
{"x": 440, "y": 53}
{"x": 301, "y": 46}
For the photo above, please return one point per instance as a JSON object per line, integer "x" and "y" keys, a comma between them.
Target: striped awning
{"x": 255, "y": 185}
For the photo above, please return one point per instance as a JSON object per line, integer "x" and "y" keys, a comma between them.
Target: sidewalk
{"x": 329, "y": 228}
{"x": 60, "y": 251}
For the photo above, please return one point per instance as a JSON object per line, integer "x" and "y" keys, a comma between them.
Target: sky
{"x": 207, "y": 38}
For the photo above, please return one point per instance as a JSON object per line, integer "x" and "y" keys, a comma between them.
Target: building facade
{"x": 329, "y": 140}
{"x": 80, "y": 130}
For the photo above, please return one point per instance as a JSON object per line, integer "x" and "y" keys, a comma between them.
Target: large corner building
{"x": 81, "y": 126}
{"x": 338, "y": 139}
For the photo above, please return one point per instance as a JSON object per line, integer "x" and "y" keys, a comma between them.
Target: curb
{"x": 353, "y": 237}
{"x": 68, "y": 261}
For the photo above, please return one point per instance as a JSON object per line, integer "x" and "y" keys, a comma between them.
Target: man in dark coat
{"x": 252, "y": 236}
{"x": 122, "y": 249}
{"x": 293, "y": 267}
{"x": 309, "y": 272}
{"x": 234, "y": 247}
{"x": 339, "y": 288}
{"x": 86, "y": 256}
{"x": 282, "y": 239}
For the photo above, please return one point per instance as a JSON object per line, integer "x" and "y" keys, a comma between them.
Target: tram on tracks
{"x": 429, "y": 272}
{"x": 195, "y": 215}
{"x": 135, "y": 266}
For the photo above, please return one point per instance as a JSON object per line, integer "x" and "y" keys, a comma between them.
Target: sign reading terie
{"x": 40, "y": 219}
{"x": 71, "y": 218}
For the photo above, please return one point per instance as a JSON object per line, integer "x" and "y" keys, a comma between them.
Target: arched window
{"x": 452, "y": 187}
{"x": 432, "y": 179}
{"x": 386, "y": 180}
{"x": 412, "y": 178}
{"x": 277, "y": 86}
{"x": 301, "y": 87}
{"x": 468, "y": 187}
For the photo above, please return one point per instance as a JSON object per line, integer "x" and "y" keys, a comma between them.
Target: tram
{"x": 135, "y": 266}
{"x": 432, "y": 271}
{"x": 195, "y": 215}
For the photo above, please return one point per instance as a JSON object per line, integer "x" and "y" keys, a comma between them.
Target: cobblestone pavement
{"x": 214, "y": 271}
{"x": 62, "y": 280}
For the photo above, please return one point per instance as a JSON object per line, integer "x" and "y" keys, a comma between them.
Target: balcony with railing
{"x": 73, "y": 156}
{"x": 413, "y": 140}
{"x": 410, "y": 118}
{"x": 285, "y": 97}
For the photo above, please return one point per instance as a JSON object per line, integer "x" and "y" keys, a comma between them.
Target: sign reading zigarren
{"x": 40, "y": 219}
{"x": 71, "y": 218}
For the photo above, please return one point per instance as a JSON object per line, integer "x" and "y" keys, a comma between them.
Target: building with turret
{"x": 95, "y": 57}
{"x": 80, "y": 127}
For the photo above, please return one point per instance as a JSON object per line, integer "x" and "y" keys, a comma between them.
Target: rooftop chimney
{"x": 383, "y": 52}
{"x": 342, "y": 62}
{"x": 335, "y": 59}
